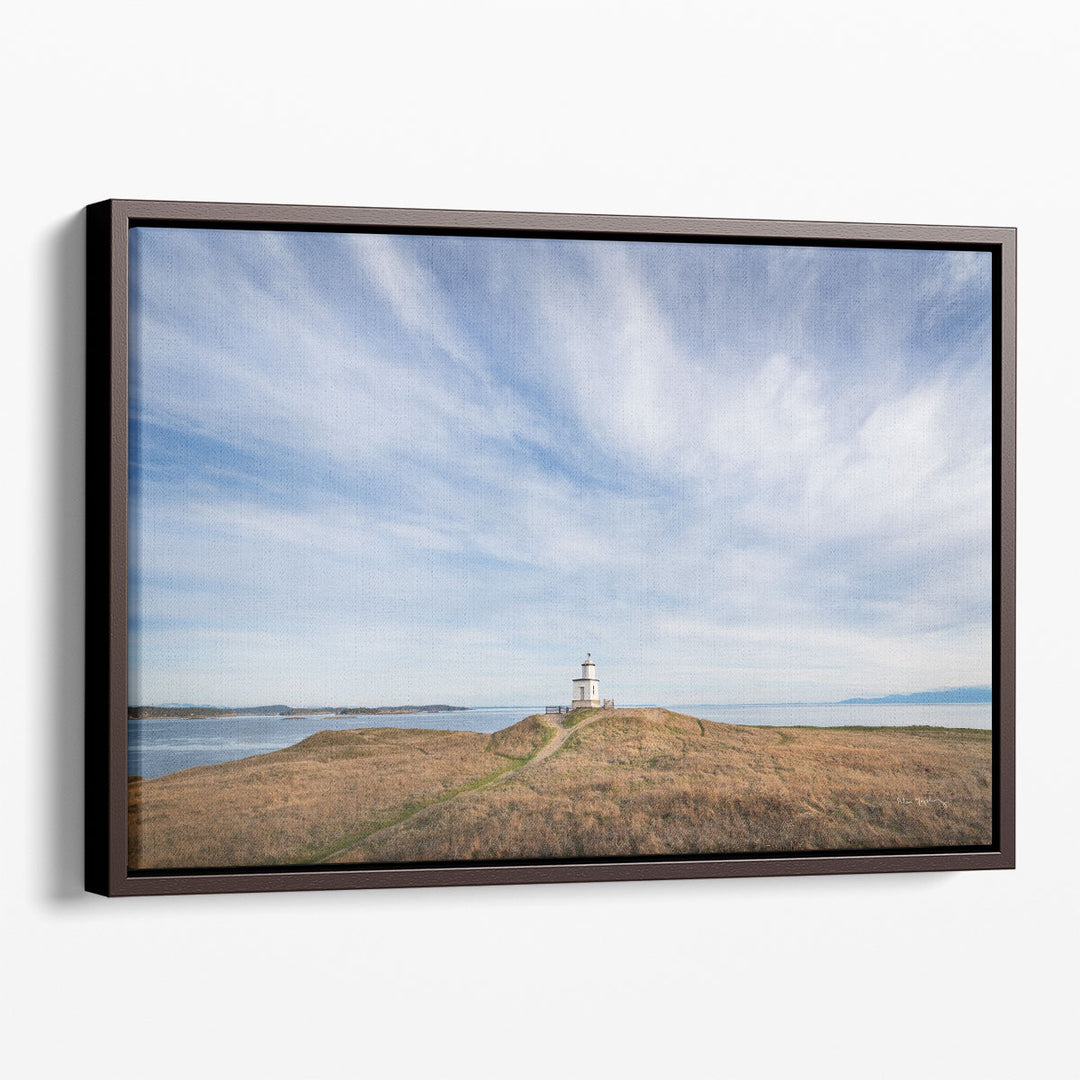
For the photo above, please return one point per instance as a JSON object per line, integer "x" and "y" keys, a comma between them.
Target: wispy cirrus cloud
{"x": 735, "y": 473}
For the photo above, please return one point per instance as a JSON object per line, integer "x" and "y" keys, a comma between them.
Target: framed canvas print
{"x": 444, "y": 547}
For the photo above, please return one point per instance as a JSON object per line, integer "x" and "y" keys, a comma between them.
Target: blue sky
{"x": 371, "y": 469}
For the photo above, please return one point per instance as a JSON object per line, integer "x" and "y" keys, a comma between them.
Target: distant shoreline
{"x": 208, "y": 712}
{"x": 967, "y": 695}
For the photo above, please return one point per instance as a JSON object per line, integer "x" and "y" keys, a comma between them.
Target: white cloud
{"x": 545, "y": 456}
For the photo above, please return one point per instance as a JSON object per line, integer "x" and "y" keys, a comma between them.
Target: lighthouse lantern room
{"x": 587, "y": 688}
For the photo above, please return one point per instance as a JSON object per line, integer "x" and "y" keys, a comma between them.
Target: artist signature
{"x": 921, "y": 800}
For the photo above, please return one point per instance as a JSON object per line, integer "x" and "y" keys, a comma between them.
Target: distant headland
{"x": 207, "y": 712}
{"x": 960, "y": 695}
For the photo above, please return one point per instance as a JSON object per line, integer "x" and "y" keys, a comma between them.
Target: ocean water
{"x": 162, "y": 745}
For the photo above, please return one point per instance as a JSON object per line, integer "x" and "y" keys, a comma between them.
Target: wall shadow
{"x": 65, "y": 507}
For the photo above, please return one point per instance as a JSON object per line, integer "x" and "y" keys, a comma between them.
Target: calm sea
{"x": 159, "y": 746}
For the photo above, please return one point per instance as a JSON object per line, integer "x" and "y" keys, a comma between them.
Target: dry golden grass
{"x": 650, "y": 782}
{"x": 630, "y": 782}
{"x": 297, "y": 804}
{"x": 523, "y": 739}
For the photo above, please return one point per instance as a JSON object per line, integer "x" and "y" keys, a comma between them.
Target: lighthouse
{"x": 587, "y": 688}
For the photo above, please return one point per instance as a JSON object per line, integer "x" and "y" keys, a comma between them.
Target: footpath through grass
{"x": 652, "y": 782}
{"x": 515, "y": 763}
{"x": 343, "y": 845}
{"x": 609, "y": 782}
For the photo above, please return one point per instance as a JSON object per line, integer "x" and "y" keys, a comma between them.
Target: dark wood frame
{"x": 107, "y": 539}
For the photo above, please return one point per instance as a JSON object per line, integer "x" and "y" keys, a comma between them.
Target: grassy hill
{"x": 617, "y": 782}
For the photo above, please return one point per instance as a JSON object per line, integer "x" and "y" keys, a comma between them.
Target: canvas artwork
{"x": 463, "y": 549}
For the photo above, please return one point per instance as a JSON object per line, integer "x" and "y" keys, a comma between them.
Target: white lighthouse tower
{"x": 587, "y": 688}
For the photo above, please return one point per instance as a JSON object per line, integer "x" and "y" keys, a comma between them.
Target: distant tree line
{"x": 203, "y": 712}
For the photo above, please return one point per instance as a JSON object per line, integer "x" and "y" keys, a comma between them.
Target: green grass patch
{"x": 516, "y": 764}
{"x": 575, "y": 717}
{"x": 340, "y": 847}
{"x": 969, "y": 734}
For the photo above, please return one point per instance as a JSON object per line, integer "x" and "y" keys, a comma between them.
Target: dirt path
{"x": 562, "y": 733}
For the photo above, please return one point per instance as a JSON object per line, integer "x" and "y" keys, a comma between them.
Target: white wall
{"x": 909, "y": 112}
